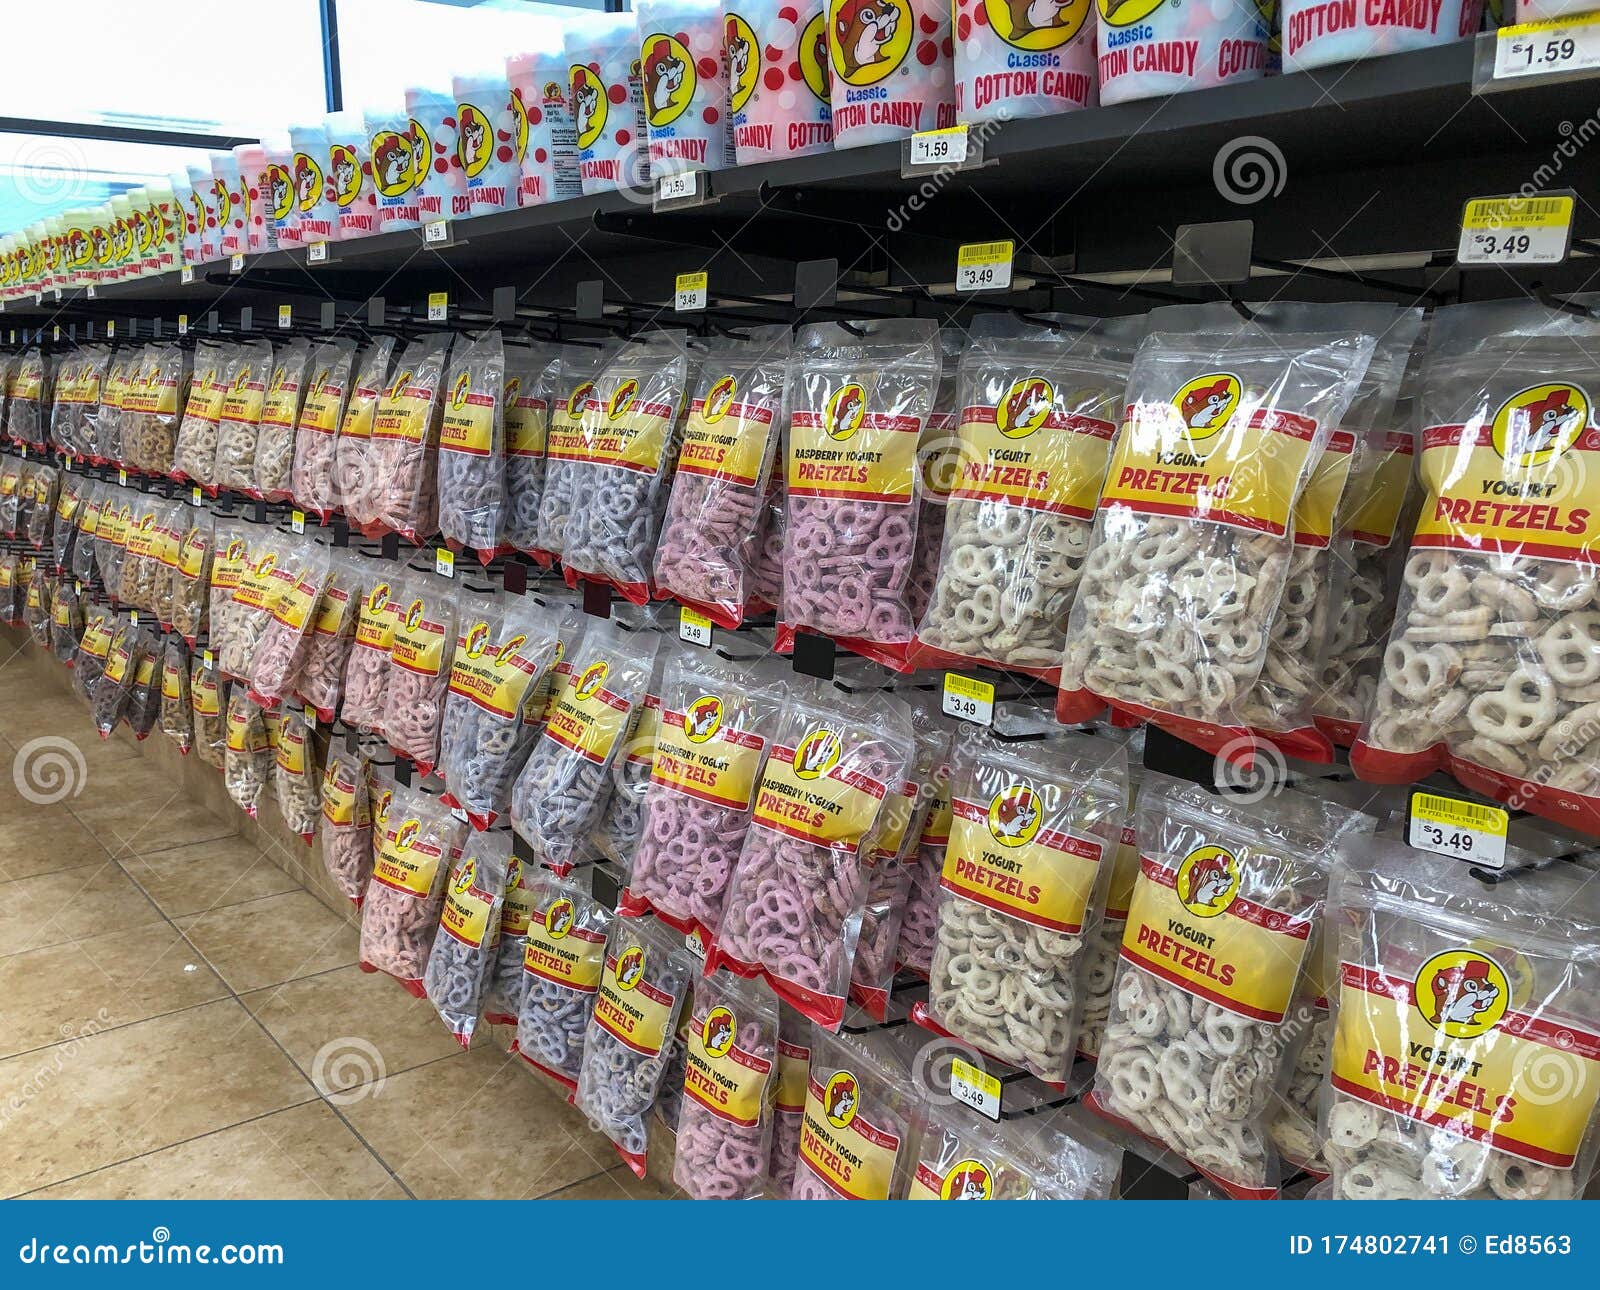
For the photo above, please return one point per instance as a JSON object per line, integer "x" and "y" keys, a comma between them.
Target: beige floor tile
{"x": 94, "y": 1102}
{"x": 55, "y": 994}
{"x": 70, "y": 905}
{"x": 42, "y": 840}
{"x": 207, "y": 875}
{"x": 344, "y": 1027}
{"x": 477, "y": 1127}
{"x": 274, "y": 939}
{"x": 305, "y": 1153}
{"x": 136, "y": 808}
{"x": 614, "y": 1184}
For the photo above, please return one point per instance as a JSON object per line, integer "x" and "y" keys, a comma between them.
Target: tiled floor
{"x": 179, "y": 1018}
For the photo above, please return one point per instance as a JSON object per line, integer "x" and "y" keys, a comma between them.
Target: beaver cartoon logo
{"x": 703, "y": 719}
{"x": 841, "y": 1098}
{"x": 594, "y": 676}
{"x": 265, "y": 565}
{"x": 717, "y": 1033}
{"x": 221, "y": 202}
{"x": 397, "y": 387}
{"x": 579, "y": 396}
{"x": 519, "y": 126}
{"x": 421, "y": 150}
{"x": 718, "y": 400}
{"x": 1206, "y": 403}
{"x": 102, "y": 241}
{"x": 414, "y": 615}
{"x": 391, "y": 163}
{"x": 589, "y": 104}
{"x": 307, "y": 181}
{"x": 464, "y": 875}
{"x": 868, "y": 39}
{"x": 1014, "y": 816}
{"x": 669, "y": 78}
{"x": 1124, "y": 13}
{"x": 144, "y": 230}
{"x": 1462, "y": 993}
{"x": 1538, "y": 424}
{"x": 378, "y": 598}
{"x": 744, "y": 61}
{"x": 463, "y": 387}
{"x": 1208, "y": 880}
{"x": 558, "y": 918}
{"x": 817, "y": 754}
{"x": 474, "y": 140}
{"x": 477, "y": 639}
{"x": 630, "y": 967}
{"x": 280, "y": 192}
{"x": 1026, "y": 406}
{"x": 346, "y": 174}
{"x": 79, "y": 248}
{"x": 380, "y": 809}
{"x": 968, "y": 1180}
{"x": 242, "y": 379}
{"x": 513, "y": 388}
{"x": 845, "y": 412}
{"x": 405, "y": 837}
{"x": 508, "y": 651}
{"x": 1036, "y": 24}
{"x": 621, "y": 401}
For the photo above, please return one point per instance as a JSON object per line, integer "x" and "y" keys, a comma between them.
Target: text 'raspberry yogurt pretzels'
{"x": 419, "y": 667}
{"x": 472, "y": 485}
{"x": 312, "y": 479}
{"x": 857, "y": 407}
{"x": 1022, "y": 893}
{"x": 1213, "y": 955}
{"x": 400, "y": 916}
{"x": 636, "y": 1008}
{"x": 730, "y": 444}
{"x": 1492, "y": 670}
{"x": 464, "y": 951}
{"x": 239, "y": 418}
{"x": 318, "y": 676}
{"x": 195, "y": 456}
{"x": 572, "y": 383}
{"x": 273, "y": 463}
{"x": 366, "y": 673}
{"x": 861, "y": 1110}
{"x": 794, "y": 902}
{"x": 296, "y": 776}
{"x": 789, "y": 1101}
{"x": 403, "y": 456}
{"x": 563, "y": 959}
{"x": 346, "y": 824}
{"x": 355, "y": 480}
{"x": 1466, "y": 1049}
{"x": 1223, "y": 422}
{"x": 628, "y": 434}
{"x": 530, "y": 387}
{"x": 960, "y": 1157}
{"x": 1038, "y": 414}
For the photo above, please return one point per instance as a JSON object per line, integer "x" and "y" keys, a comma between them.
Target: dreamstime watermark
{"x": 348, "y": 1069}
{"x": 1249, "y": 769}
{"x": 160, "y": 1249}
{"x": 57, "y": 1061}
{"x": 49, "y": 769}
{"x": 1249, "y": 169}
{"x": 49, "y": 172}
{"x": 1574, "y": 139}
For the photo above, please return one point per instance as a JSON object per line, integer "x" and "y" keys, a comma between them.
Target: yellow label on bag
{"x": 295, "y": 599}
{"x": 726, "y": 438}
{"x": 228, "y": 565}
{"x": 1444, "y": 1046}
{"x": 492, "y": 675}
{"x": 699, "y": 757}
{"x": 282, "y": 404}
{"x": 1376, "y": 513}
{"x": 171, "y": 682}
{"x": 628, "y": 1007}
{"x": 517, "y": 911}
{"x": 587, "y": 717}
{"x": 844, "y": 452}
{"x": 845, "y": 1150}
{"x": 1024, "y": 452}
{"x": 724, "y": 1078}
{"x": 320, "y": 413}
{"x": 468, "y": 423}
{"x": 564, "y": 437}
{"x": 405, "y": 411}
{"x": 794, "y": 1068}
{"x": 204, "y": 696}
{"x": 559, "y": 951}
{"x": 1318, "y": 505}
{"x": 146, "y": 671}
{"x": 205, "y": 398}
{"x": 418, "y": 639}
{"x": 1211, "y": 452}
{"x": 941, "y": 814}
{"x": 332, "y": 607}
{"x": 243, "y": 400}
{"x": 407, "y": 862}
{"x": 1003, "y": 857}
{"x": 192, "y": 553}
{"x": 117, "y": 663}
{"x": 246, "y": 731}
{"x": 114, "y": 524}
{"x": 527, "y": 420}
{"x": 814, "y": 792}
{"x": 1124, "y": 873}
{"x": 641, "y": 750}
{"x": 376, "y": 619}
{"x": 360, "y": 413}
{"x": 339, "y": 796}
{"x": 66, "y": 505}
{"x": 620, "y": 430}
{"x": 88, "y": 517}
{"x": 467, "y": 906}
{"x": 290, "y": 749}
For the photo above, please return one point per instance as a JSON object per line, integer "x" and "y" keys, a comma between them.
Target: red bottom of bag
{"x": 919, "y": 1015}
{"x": 411, "y": 985}
{"x": 827, "y": 1010}
{"x": 635, "y": 593}
{"x": 1232, "y": 1188}
{"x": 722, "y": 615}
{"x": 873, "y": 999}
{"x": 1343, "y": 733}
{"x": 571, "y": 1085}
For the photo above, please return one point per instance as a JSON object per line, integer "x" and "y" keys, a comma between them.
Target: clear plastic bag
{"x": 507, "y": 985}
{"x": 66, "y": 622}
{"x": 82, "y": 565}
{"x": 280, "y": 413}
{"x": 41, "y": 515}
{"x": 564, "y": 955}
{"x": 144, "y": 698}
{"x": 10, "y": 495}
{"x": 621, "y": 824}
{"x": 529, "y": 389}
{"x": 861, "y": 1111}
{"x": 419, "y": 667}
{"x": 247, "y": 757}
{"x": 106, "y": 446}
{"x": 151, "y": 411}
{"x": 859, "y": 398}
{"x": 296, "y": 777}
{"x": 346, "y": 824}
{"x": 354, "y": 483}
{"x": 463, "y": 954}
{"x": 400, "y": 916}
{"x": 1098, "y": 974}
{"x": 403, "y": 455}
{"x": 239, "y": 418}
{"x": 172, "y": 525}
{"x": 313, "y": 481}
{"x": 472, "y": 442}
{"x": 793, "y": 908}
{"x": 230, "y": 556}
{"x": 789, "y": 1101}
{"x": 215, "y": 367}
{"x": 141, "y": 560}
{"x": 919, "y": 919}
{"x": 111, "y": 536}
{"x": 64, "y": 532}
{"x": 366, "y": 672}
{"x": 318, "y": 677}
{"x": 273, "y": 563}
{"x": 26, "y": 399}
{"x": 573, "y": 382}
{"x": 111, "y": 690}
{"x": 281, "y": 648}
{"x": 959, "y": 1157}
{"x": 208, "y": 703}
{"x": 177, "y": 719}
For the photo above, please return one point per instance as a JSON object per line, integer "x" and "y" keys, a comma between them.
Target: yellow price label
{"x": 1451, "y": 826}
{"x": 984, "y": 266}
{"x": 438, "y": 306}
{"x": 968, "y": 699}
{"x": 1523, "y": 212}
{"x": 976, "y": 1088}
{"x": 285, "y": 315}
{"x": 690, "y": 292}
{"x": 694, "y": 627}
{"x": 444, "y": 562}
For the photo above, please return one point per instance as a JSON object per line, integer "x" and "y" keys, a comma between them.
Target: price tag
{"x": 1516, "y": 230}
{"x": 77, "y": 586}
{"x": 311, "y": 715}
{"x": 195, "y": 496}
{"x": 678, "y": 186}
{"x": 183, "y": 324}
{"x": 1548, "y": 47}
{"x": 186, "y": 274}
{"x": 208, "y": 660}
{"x": 55, "y": 332}
{"x": 88, "y": 293}
{"x": 984, "y": 266}
{"x": 285, "y": 317}
{"x": 122, "y": 478}
{"x": 694, "y": 627}
{"x": 946, "y": 147}
{"x": 133, "y": 617}
{"x": 236, "y": 264}
{"x": 444, "y": 562}
{"x": 111, "y": 329}
{"x": 297, "y": 521}
{"x": 975, "y": 1088}
{"x": 695, "y": 943}
{"x": 456, "y": 813}
{"x": 316, "y": 252}
{"x": 66, "y": 462}
{"x": 1448, "y": 826}
{"x": 438, "y": 306}
{"x": 690, "y": 293}
{"x": 968, "y": 700}
{"x": 436, "y": 232}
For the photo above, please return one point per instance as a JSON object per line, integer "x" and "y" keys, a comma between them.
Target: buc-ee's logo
{"x": 1025, "y": 407}
{"x": 397, "y": 387}
{"x": 589, "y": 103}
{"x": 558, "y": 918}
{"x": 579, "y": 396}
{"x": 817, "y": 754}
{"x": 846, "y": 410}
{"x": 868, "y": 39}
{"x": 669, "y": 78}
{"x": 719, "y": 398}
{"x": 630, "y": 967}
{"x": 508, "y": 651}
{"x": 405, "y": 837}
{"x": 703, "y": 718}
{"x": 1014, "y": 815}
{"x": 421, "y": 150}
{"x": 622, "y": 398}
{"x": 463, "y": 387}
{"x": 474, "y": 140}
{"x": 840, "y": 1099}
{"x": 717, "y": 1033}
{"x": 477, "y": 640}
{"x": 968, "y": 1180}
{"x": 1036, "y": 24}
{"x": 414, "y": 615}
{"x": 1206, "y": 403}
{"x": 392, "y": 172}
{"x": 346, "y": 173}
{"x": 1208, "y": 880}
{"x": 1124, "y": 13}
{"x": 378, "y": 598}
{"x": 464, "y": 875}
{"x": 1538, "y": 424}
{"x": 593, "y": 677}
{"x": 1462, "y": 993}
{"x": 744, "y": 60}
{"x": 307, "y": 181}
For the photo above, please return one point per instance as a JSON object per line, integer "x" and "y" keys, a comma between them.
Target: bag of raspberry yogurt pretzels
{"x": 1492, "y": 670}
{"x": 530, "y": 387}
{"x": 366, "y": 673}
{"x": 318, "y": 677}
{"x": 346, "y": 824}
{"x": 401, "y": 491}
{"x": 316, "y": 436}
{"x": 281, "y": 650}
{"x": 472, "y": 465}
{"x": 564, "y": 956}
{"x": 572, "y": 383}
{"x": 419, "y": 667}
{"x": 861, "y": 1113}
{"x": 1224, "y": 419}
{"x": 400, "y": 916}
{"x": 239, "y": 419}
{"x": 354, "y": 483}
{"x": 469, "y": 926}
{"x": 859, "y": 397}
{"x": 794, "y": 902}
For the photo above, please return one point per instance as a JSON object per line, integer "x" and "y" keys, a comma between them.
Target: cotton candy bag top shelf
{"x": 202, "y": 240}
{"x": 398, "y": 155}
{"x": 317, "y": 213}
{"x": 893, "y": 69}
{"x": 681, "y": 62}
{"x": 350, "y": 175}
{"x": 778, "y": 78}
{"x": 486, "y": 134}
{"x": 606, "y": 91}
{"x": 261, "y": 234}
{"x": 1023, "y": 58}
{"x": 1319, "y": 35}
{"x": 232, "y": 204}
{"x": 439, "y": 178}
{"x": 1149, "y": 48}
{"x": 546, "y": 142}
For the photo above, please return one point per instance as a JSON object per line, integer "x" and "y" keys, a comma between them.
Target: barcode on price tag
{"x": 1516, "y": 230}
{"x": 444, "y": 562}
{"x": 195, "y": 497}
{"x": 1449, "y": 826}
{"x": 285, "y": 316}
{"x": 694, "y": 627}
{"x": 968, "y": 700}
{"x": 183, "y": 324}
{"x": 984, "y": 266}
{"x": 946, "y": 147}
{"x": 316, "y": 253}
{"x": 297, "y": 521}
{"x": 438, "y": 306}
{"x": 122, "y": 478}
{"x": 1547, "y": 48}
{"x": 111, "y": 329}
{"x": 186, "y": 274}
{"x": 975, "y": 1088}
{"x": 689, "y": 293}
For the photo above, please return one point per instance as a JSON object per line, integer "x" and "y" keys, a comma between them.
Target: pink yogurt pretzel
{"x": 706, "y": 542}
{"x": 849, "y": 568}
{"x": 718, "y": 1158}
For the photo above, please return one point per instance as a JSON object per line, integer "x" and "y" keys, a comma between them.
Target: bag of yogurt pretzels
{"x": 530, "y": 387}
{"x": 141, "y": 565}
{"x": 919, "y": 917}
{"x": 247, "y": 752}
{"x": 273, "y": 466}
{"x": 41, "y": 516}
{"x": 1099, "y": 971}
{"x": 573, "y": 382}
{"x": 1035, "y": 828}
{"x": 151, "y": 412}
{"x": 318, "y": 676}
{"x": 144, "y": 699}
{"x": 105, "y": 447}
{"x": 296, "y": 777}
{"x": 1224, "y": 421}
{"x": 172, "y": 523}
{"x": 861, "y": 1111}
{"x": 1493, "y": 666}
{"x": 503, "y": 997}
{"x": 858, "y": 399}
{"x": 230, "y": 555}
{"x": 366, "y": 673}
{"x": 355, "y": 479}
{"x": 561, "y": 790}
{"x": 564, "y": 956}
{"x": 711, "y": 529}
{"x": 730, "y": 1072}
{"x": 504, "y": 650}
{"x": 1039, "y": 405}
{"x": 66, "y": 621}
{"x": 795, "y": 898}
{"x": 346, "y": 824}
{"x": 961, "y": 1157}
{"x": 472, "y": 440}
{"x": 239, "y": 418}
{"x": 177, "y": 721}
{"x": 272, "y": 561}
{"x": 64, "y": 532}
{"x": 617, "y": 832}
{"x": 190, "y": 577}
{"x": 82, "y": 566}
{"x": 789, "y": 1101}
{"x": 419, "y": 667}
{"x": 281, "y": 648}
{"x": 312, "y": 480}
{"x": 642, "y": 988}
{"x": 208, "y": 704}
{"x": 110, "y": 691}
{"x": 212, "y": 376}
{"x": 1223, "y": 911}
{"x": 400, "y": 916}
{"x": 463, "y": 953}
{"x": 403, "y": 456}
{"x": 1466, "y": 1048}
{"x": 630, "y": 426}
